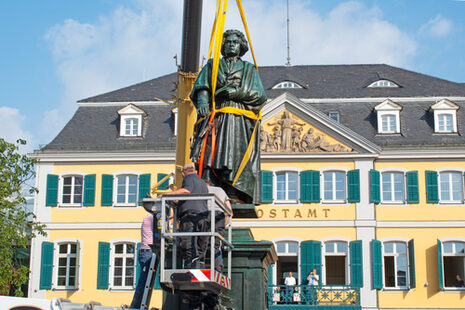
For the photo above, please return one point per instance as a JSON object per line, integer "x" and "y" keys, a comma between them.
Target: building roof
{"x": 324, "y": 81}
{"x": 96, "y": 127}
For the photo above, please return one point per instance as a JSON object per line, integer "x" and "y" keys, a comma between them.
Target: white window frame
{"x": 56, "y": 256}
{"x": 131, "y": 120}
{"x": 390, "y": 170}
{"x": 456, "y": 240}
{"x": 385, "y": 108}
{"x": 287, "y": 85}
{"x": 449, "y": 170}
{"x": 113, "y": 255}
{"x": 445, "y": 107}
{"x": 275, "y": 185}
{"x": 131, "y": 112}
{"x": 275, "y": 267}
{"x": 407, "y": 276}
{"x": 324, "y": 254}
{"x": 322, "y": 185}
{"x": 383, "y": 83}
{"x": 115, "y": 189}
{"x": 61, "y": 180}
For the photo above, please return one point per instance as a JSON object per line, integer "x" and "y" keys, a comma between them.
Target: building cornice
{"x": 381, "y": 99}
{"x": 122, "y": 103}
{"x": 104, "y": 157}
{"x": 406, "y": 154}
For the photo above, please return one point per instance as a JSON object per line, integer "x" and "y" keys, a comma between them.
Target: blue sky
{"x": 55, "y": 52}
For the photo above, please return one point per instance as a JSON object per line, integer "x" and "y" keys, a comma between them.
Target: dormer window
{"x": 383, "y": 83}
{"x": 286, "y": 84}
{"x": 131, "y": 118}
{"x": 388, "y": 117}
{"x": 445, "y": 116}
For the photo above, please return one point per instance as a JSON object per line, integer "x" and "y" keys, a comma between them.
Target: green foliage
{"x": 17, "y": 224}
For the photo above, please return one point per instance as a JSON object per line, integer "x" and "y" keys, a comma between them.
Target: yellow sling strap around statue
{"x": 216, "y": 40}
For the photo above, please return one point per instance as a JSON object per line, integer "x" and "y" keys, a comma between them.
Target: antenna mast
{"x": 288, "y": 63}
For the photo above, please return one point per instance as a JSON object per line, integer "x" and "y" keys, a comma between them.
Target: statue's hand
{"x": 202, "y": 110}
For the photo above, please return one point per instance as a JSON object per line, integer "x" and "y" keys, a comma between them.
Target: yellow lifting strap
{"x": 216, "y": 40}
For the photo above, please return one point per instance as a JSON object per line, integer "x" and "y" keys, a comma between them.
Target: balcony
{"x": 282, "y": 297}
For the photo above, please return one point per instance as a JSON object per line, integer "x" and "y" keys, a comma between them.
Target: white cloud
{"x": 438, "y": 27}
{"x": 130, "y": 45}
{"x": 12, "y": 128}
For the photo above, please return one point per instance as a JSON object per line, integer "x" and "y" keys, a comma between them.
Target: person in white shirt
{"x": 290, "y": 282}
{"x": 313, "y": 278}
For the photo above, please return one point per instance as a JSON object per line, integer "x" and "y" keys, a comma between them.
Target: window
{"x": 131, "y": 127}
{"x": 388, "y": 123}
{"x": 335, "y": 262}
{"x": 124, "y": 265}
{"x": 383, "y": 83}
{"x": 288, "y": 252}
{"x": 388, "y": 113}
{"x": 453, "y": 261}
{"x": 451, "y": 187}
{"x": 392, "y": 184}
{"x": 445, "y": 116}
{"x": 395, "y": 264}
{"x": 286, "y": 186}
{"x": 445, "y": 123}
{"x": 67, "y": 265}
{"x": 334, "y": 186}
{"x": 286, "y": 84}
{"x": 126, "y": 192}
{"x": 71, "y": 192}
{"x": 131, "y": 118}
{"x": 334, "y": 116}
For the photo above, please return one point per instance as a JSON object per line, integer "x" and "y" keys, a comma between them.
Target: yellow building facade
{"x": 362, "y": 182}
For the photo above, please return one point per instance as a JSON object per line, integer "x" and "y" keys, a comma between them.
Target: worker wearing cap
{"x": 193, "y": 217}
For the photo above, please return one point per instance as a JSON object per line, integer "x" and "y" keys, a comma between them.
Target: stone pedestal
{"x": 250, "y": 261}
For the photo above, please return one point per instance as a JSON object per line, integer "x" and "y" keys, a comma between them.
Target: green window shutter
{"x": 137, "y": 263}
{"x": 144, "y": 186}
{"x": 89, "y": 190}
{"x": 356, "y": 263}
{"x": 107, "y": 190}
{"x": 46, "y": 266}
{"x": 413, "y": 195}
{"x": 377, "y": 261}
{"x": 411, "y": 264}
{"x": 310, "y": 258}
{"x": 375, "y": 187}
{"x": 165, "y": 184}
{"x": 52, "y": 190}
{"x": 440, "y": 266}
{"x": 103, "y": 270}
{"x": 432, "y": 193}
{"x": 270, "y": 275}
{"x": 267, "y": 186}
{"x": 310, "y": 186}
{"x": 353, "y": 182}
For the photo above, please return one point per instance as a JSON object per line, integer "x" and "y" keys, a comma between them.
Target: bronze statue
{"x": 238, "y": 86}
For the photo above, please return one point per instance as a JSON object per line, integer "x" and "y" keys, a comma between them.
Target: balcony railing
{"x": 282, "y": 296}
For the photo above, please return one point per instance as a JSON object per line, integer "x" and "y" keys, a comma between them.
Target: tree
{"x": 17, "y": 224}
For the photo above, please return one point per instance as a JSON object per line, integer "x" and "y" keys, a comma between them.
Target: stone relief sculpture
{"x": 287, "y": 138}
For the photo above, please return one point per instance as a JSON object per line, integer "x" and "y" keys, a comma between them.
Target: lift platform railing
{"x": 165, "y": 210}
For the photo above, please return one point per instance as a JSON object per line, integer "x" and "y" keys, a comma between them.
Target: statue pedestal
{"x": 250, "y": 261}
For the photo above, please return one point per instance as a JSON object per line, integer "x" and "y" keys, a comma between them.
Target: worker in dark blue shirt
{"x": 193, "y": 217}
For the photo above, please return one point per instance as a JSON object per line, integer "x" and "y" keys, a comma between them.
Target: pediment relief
{"x": 288, "y": 133}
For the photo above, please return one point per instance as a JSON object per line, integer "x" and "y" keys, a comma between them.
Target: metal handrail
{"x": 331, "y": 295}
{"x": 169, "y": 228}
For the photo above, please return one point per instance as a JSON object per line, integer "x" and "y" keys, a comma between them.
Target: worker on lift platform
{"x": 193, "y": 217}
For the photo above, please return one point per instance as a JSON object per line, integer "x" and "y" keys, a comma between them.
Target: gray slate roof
{"x": 97, "y": 128}
{"x": 325, "y": 81}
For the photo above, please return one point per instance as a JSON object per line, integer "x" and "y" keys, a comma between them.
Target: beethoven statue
{"x": 238, "y": 87}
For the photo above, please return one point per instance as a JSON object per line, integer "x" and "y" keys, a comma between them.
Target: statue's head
{"x": 229, "y": 34}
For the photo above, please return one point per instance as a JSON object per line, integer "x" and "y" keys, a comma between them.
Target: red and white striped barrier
{"x": 204, "y": 275}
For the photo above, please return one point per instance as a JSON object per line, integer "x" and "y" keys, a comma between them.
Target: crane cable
{"x": 216, "y": 40}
